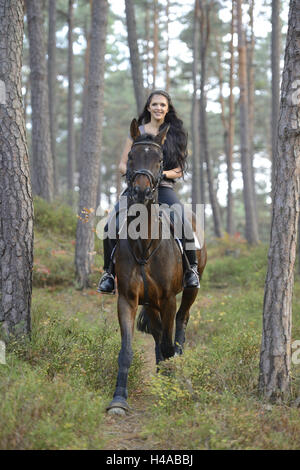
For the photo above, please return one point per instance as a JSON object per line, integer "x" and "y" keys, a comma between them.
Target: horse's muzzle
{"x": 140, "y": 195}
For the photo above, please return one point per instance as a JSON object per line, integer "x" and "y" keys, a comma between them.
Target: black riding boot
{"x": 107, "y": 282}
{"x": 191, "y": 278}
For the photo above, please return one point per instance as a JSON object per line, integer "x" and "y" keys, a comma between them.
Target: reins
{"x": 142, "y": 262}
{"x": 154, "y": 183}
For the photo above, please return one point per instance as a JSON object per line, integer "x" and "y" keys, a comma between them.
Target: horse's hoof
{"x": 116, "y": 411}
{"x": 118, "y": 407}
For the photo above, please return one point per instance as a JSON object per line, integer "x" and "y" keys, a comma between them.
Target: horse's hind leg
{"x": 156, "y": 331}
{"x": 182, "y": 318}
{"x": 126, "y": 313}
{"x": 160, "y": 326}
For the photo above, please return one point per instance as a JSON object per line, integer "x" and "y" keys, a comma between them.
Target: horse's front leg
{"x": 126, "y": 312}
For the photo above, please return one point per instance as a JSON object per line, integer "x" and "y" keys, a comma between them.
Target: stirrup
{"x": 195, "y": 282}
{"x": 108, "y": 284}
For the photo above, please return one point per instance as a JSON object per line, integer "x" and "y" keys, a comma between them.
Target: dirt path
{"x": 126, "y": 432}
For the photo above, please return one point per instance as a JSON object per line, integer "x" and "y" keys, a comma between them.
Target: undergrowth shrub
{"x": 245, "y": 269}
{"x": 53, "y": 263}
{"x": 54, "y": 217}
{"x": 61, "y": 348}
{"x": 202, "y": 374}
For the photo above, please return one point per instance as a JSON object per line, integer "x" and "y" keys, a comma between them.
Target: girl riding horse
{"x": 158, "y": 112}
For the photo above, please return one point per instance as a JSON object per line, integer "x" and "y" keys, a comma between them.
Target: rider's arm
{"x": 173, "y": 174}
{"x": 124, "y": 157}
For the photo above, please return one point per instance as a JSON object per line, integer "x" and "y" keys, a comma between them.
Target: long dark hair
{"x": 175, "y": 145}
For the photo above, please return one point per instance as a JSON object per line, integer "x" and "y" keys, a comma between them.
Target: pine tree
{"x": 90, "y": 164}
{"x": 42, "y": 167}
{"x": 275, "y": 358}
{"x": 16, "y": 209}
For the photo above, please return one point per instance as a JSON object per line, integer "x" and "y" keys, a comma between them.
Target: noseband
{"x": 154, "y": 181}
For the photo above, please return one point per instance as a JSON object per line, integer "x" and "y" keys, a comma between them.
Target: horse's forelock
{"x": 145, "y": 137}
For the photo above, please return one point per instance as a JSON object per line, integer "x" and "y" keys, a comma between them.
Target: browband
{"x": 146, "y": 142}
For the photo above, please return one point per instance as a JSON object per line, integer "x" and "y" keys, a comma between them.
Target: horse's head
{"x": 145, "y": 164}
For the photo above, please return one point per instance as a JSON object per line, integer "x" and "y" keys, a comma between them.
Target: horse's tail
{"x": 143, "y": 321}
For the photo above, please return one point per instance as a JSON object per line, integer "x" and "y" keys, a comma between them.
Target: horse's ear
{"x": 161, "y": 137}
{"x": 134, "y": 130}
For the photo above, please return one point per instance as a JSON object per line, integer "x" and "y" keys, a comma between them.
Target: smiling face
{"x": 158, "y": 107}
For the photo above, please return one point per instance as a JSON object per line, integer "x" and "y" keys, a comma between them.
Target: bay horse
{"x": 149, "y": 271}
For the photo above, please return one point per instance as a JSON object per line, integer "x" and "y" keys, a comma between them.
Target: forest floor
{"x": 56, "y": 387}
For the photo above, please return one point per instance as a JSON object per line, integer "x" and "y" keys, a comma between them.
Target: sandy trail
{"x": 126, "y": 432}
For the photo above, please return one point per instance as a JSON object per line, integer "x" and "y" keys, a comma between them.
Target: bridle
{"x": 154, "y": 181}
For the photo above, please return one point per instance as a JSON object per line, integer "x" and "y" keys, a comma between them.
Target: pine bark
{"x": 147, "y": 48}
{"x": 155, "y": 43}
{"x": 275, "y": 63}
{"x": 228, "y": 124}
{"x": 205, "y": 30}
{"x": 136, "y": 66}
{"x": 89, "y": 176}
{"x": 52, "y": 85}
{"x": 168, "y": 78}
{"x": 251, "y": 94}
{"x": 251, "y": 229}
{"x": 16, "y": 209}
{"x": 71, "y": 141}
{"x": 230, "y": 137}
{"x": 84, "y": 106}
{"x": 42, "y": 168}
{"x": 196, "y": 197}
{"x": 275, "y": 358}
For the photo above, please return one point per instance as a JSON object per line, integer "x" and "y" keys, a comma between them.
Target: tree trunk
{"x": 228, "y": 125}
{"x": 71, "y": 146}
{"x": 196, "y": 199}
{"x": 16, "y": 210}
{"x": 136, "y": 66}
{"x": 84, "y": 106}
{"x": 251, "y": 94}
{"x": 167, "y": 47}
{"x": 275, "y": 358}
{"x": 155, "y": 43}
{"x": 89, "y": 176}
{"x": 42, "y": 174}
{"x": 275, "y": 61}
{"x": 52, "y": 86}
{"x": 251, "y": 230}
{"x": 147, "y": 51}
{"x": 230, "y": 140}
{"x": 203, "y": 122}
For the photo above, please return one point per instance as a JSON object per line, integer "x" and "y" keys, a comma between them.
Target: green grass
{"x": 208, "y": 398}
{"x": 54, "y": 389}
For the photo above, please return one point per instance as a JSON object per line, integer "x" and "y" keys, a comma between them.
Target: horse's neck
{"x": 151, "y": 232}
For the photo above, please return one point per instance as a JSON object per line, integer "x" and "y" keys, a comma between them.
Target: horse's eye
{"x": 129, "y": 156}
